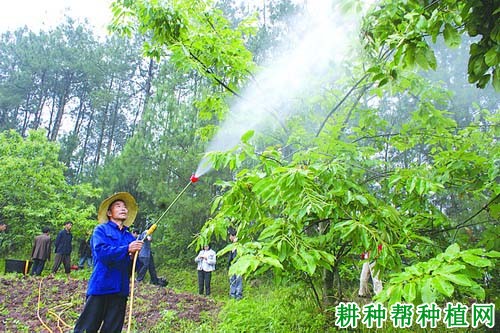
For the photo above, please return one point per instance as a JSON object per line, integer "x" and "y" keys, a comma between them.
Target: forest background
{"x": 391, "y": 140}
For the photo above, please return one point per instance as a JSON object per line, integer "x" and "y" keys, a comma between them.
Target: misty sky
{"x": 46, "y": 14}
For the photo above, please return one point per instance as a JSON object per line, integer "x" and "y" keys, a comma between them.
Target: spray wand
{"x": 149, "y": 232}
{"x": 153, "y": 227}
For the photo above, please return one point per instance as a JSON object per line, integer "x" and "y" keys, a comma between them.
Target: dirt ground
{"x": 34, "y": 304}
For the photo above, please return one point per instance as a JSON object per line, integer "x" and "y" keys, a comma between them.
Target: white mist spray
{"x": 321, "y": 38}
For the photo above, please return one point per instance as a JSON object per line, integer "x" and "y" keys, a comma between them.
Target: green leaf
{"x": 410, "y": 291}
{"x": 401, "y": 277}
{"x": 272, "y": 262}
{"x": 383, "y": 82}
{"x": 443, "y": 286}
{"x": 435, "y": 24}
{"x": 495, "y": 210}
{"x": 428, "y": 295}
{"x": 478, "y": 292}
{"x": 496, "y": 80}
{"x": 413, "y": 183}
{"x": 215, "y": 204}
{"x": 297, "y": 262}
{"x": 395, "y": 295}
{"x": 348, "y": 198}
{"x": 409, "y": 55}
{"x": 415, "y": 270}
{"x": 460, "y": 279}
{"x": 247, "y": 136}
{"x": 245, "y": 264}
{"x": 421, "y": 59}
{"x": 475, "y": 260}
{"x": 453, "y": 249}
{"x": 421, "y": 186}
{"x": 394, "y": 180}
{"x": 422, "y": 23}
{"x": 270, "y": 232}
{"x": 310, "y": 267}
{"x": 451, "y": 268}
{"x": 361, "y": 199}
{"x": 451, "y": 36}
{"x": 431, "y": 58}
{"x": 328, "y": 257}
{"x": 492, "y": 57}
{"x": 492, "y": 254}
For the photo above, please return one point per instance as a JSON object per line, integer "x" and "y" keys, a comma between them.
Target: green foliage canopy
{"x": 449, "y": 276}
{"x": 34, "y": 192}
{"x": 407, "y": 27}
{"x": 195, "y": 36}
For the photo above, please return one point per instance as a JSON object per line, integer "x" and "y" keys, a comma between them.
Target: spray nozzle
{"x": 193, "y": 178}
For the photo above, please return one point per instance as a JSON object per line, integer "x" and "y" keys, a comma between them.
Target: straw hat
{"x": 126, "y": 197}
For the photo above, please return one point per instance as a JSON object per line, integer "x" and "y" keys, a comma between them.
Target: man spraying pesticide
{"x": 108, "y": 286}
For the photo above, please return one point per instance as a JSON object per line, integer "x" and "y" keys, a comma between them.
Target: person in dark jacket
{"x": 84, "y": 252}
{"x": 146, "y": 260}
{"x": 41, "y": 251}
{"x": 235, "y": 281}
{"x": 63, "y": 249}
{"x": 113, "y": 248}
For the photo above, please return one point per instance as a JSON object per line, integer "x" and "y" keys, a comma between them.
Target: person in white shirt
{"x": 367, "y": 271}
{"x": 206, "y": 260}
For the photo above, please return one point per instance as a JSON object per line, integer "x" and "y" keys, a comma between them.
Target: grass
{"x": 279, "y": 309}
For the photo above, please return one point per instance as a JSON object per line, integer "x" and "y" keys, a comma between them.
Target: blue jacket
{"x": 112, "y": 262}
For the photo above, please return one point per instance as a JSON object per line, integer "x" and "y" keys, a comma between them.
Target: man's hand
{"x": 135, "y": 246}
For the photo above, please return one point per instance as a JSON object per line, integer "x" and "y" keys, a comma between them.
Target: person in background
{"x": 63, "y": 249}
{"x": 41, "y": 251}
{"x": 206, "y": 261}
{"x": 135, "y": 233}
{"x": 3, "y": 228}
{"x": 85, "y": 252}
{"x": 367, "y": 272}
{"x": 113, "y": 248}
{"x": 146, "y": 260}
{"x": 235, "y": 281}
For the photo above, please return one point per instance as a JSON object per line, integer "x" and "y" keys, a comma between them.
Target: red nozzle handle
{"x": 193, "y": 178}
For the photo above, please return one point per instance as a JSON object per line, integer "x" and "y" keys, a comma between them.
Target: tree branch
{"x": 339, "y": 104}
{"x": 464, "y": 224}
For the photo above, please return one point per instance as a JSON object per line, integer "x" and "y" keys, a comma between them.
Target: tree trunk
{"x": 97, "y": 158}
{"x": 79, "y": 116}
{"x": 41, "y": 102}
{"x": 26, "y": 115}
{"x": 104, "y": 120}
{"x": 328, "y": 289}
{"x": 63, "y": 99}
{"x": 112, "y": 124}
{"x": 147, "y": 95}
{"x": 51, "y": 117}
{"x": 85, "y": 145}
